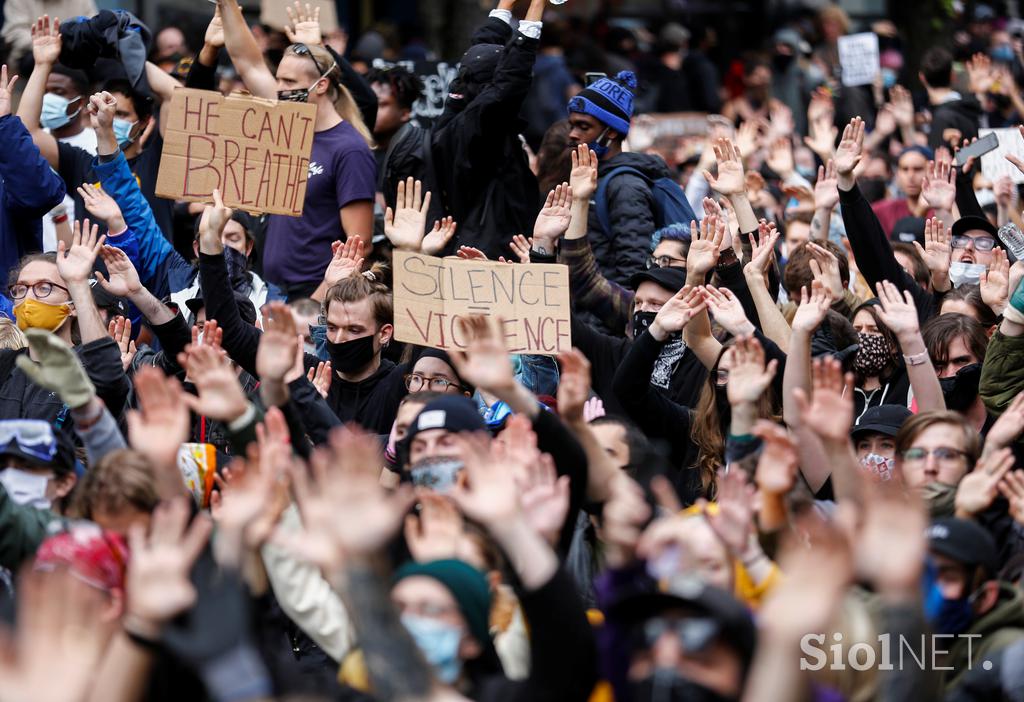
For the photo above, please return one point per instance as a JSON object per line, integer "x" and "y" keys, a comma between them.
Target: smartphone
{"x": 982, "y": 146}
{"x": 592, "y": 77}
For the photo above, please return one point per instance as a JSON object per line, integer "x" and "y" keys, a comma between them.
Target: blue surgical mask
{"x": 945, "y": 615}
{"x": 1002, "y": 52}
{"x": 888, "y": 77}
{"x": 122, "y": 132}
{"x": 55, "y": 111}
{"x": 439, "y": 644}
{"x": 598, "y": 145}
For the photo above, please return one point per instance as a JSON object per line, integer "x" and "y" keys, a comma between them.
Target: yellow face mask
{"x": 33, "y": 314}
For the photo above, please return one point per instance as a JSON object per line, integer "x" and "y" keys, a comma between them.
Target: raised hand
{"x": 1005, "y": 191}
{"x": 161, "y": 424}
{"x": 938, "y": 247}
{"x": 485, "y": 363}
{"x": 705, "y": 246}
{"x": 217, "y": 217}
{"x": 489, "y": 495}
{"x": 46, "y": 41}
{"x": 762, "y": 247}
{"x": 978, "y": 488}
{"x": 727, "y": 310}
{"x": 748, "y": 139}
{"x": 573, "y": 385}
{"x": 1015, "y": 160}
{"x": 895, "y": 522}
{"x": 75, "y": 263}
{"x": 825, "y": 267}
{"x": 676, "y": 313}
{"x": 979, "y": 73}
{"x": 820, "y": 107}
{"x": 733, "y": 522}
{"x": 813, "y": 308}
{"x": 123, "y": 278}
{"x": 1009, "y": 425}
{"x": 6, "y": 91}
{"x": 885, "y": 121}
{"x": 215, "y": 31}
{"x": 405, "y": 225}
{"x": 346, "y": 259}
{"x": 220, "y": 394}
{"x": 1012, "y": 488}
{"x": 554, "y": 217}
{"x": 471, "y": 253}
{"x": 902, "y": 106}
{"x": 321, "y": 378}
{"x": 593, "y": 409}
{"x": 102, "y": 206}
{"x": 822, "y": 137}
{"x": 120, "y": 330}
{"x": 780, "y": 157}
{"x": 829, "y": 411}
{"x": 279, "y": 343}
{"x": 897, "y": 311}
{"x": 939, "y": 186}
{"x": 437, "y": 532}
{"x": 305, "y": 24}
{"x": 583, "y": 176}
{"x": 520, "y": 245}
{"x": 850, "y": 149}
{"x": 730, "y": 180}
{"x": 438, "y": 237}
{"x": 102, "y": 108}
{"x": 826, "y": 189}
{"x": 749, "y": 377}
{"x": 779, "y": 460}
{"x": 158, "y": 584}
{"x": 995, "y": 282}
{"x": 544, "y": 497}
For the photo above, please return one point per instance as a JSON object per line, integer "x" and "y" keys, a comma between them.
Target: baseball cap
{"x": 453, "y": 413}
{"x": 731, "y": 619}
{"x": 964, "y": 541}
{"x": 37, "y": 443}
{"x": 883, "y": 419}
{"x": 106, "y": 300}
{"x": 966, "y": 224}
{"x": 245, "y": 307}
{"x": 672, "y": 279}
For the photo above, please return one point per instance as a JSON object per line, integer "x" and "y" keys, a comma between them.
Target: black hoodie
{"x": 631, "y": 211}
{"x": 962, "y": 114}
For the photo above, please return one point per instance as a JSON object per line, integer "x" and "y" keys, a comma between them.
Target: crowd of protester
{"x": 779, "y": 461}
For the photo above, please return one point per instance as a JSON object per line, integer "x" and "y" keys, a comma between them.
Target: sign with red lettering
{"x": 532, "y": 300}
{"x": 254, "y": 150}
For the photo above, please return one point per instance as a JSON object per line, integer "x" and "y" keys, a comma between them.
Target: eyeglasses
{"x": 694, "y": 633}
{"x": 42, "y": 290}
{"x": 721, "y": 377}
{"x": 981, "y": 243}
{"x": 942, "y": 453}
{"x": 664, "y": 261}
{"x": 414, "y": 382}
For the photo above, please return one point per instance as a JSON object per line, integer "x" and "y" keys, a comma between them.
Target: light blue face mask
{"x": 55, "y": 111}
{"x": 439, "y": 644}
{"x": 122, "y": 132}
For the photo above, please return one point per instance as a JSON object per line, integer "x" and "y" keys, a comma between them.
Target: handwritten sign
{"x": 256, "y": 151}
{"x": 994, "y": 164}
{"x": 432, "y": 294}
{"x": 273, "y": 13}
{"x": 858, "y": 56}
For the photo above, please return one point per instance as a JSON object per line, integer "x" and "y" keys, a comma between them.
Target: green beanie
{"x": 467, "y": 585}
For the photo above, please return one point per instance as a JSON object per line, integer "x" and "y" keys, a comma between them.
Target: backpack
{"x": 670, "y": 204}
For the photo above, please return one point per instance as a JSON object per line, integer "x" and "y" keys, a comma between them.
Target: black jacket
{"x": 486, "y": 182}
{"x": 624, "y": 250}
{"x": 962, "y": 115}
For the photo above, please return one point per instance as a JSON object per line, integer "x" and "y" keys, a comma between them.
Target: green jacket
{"x": 22, "y": 529}
{"x": 1002, "y": 375}
{"x": 994, "y": 631}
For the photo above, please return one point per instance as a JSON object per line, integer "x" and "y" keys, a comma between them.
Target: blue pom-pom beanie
{"x": 608, "y": 100}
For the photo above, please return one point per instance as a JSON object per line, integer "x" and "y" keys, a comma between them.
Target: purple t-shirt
{"x": 341, "y": 170}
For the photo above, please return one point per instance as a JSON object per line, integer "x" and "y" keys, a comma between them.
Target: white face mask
{"x": 25, "y": 488}
{"x": 961, "y": 273}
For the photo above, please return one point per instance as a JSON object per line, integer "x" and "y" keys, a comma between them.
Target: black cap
{"x": 443, "y": 356}
{"x": 908, "y": 230}
{"x": 965, "y": 542}
{"x": 453, "y": 413}
{"x": 106, "y": 300}
{"x": 481, "y": 61}
{"x": 736, "y": 626}
{"x": 672, "y": 279}
{"x": 884, "y": 419}
{"x": 246, "y": 309}
{"x": 966, "y": 224}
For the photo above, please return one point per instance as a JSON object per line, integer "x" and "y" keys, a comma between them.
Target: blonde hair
{"x": 11, "y": 337}
{"x": 344, "y": 103}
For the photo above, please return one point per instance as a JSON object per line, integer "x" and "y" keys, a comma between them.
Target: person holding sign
{"x": 342, "y": 170}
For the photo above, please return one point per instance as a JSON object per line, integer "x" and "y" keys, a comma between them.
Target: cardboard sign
{"x": 994, "y": 164}
{"x": 858, "y": 56}
{"x": 256, "y": 151}
{"x": 274, "y": 14}
{"x": 431, "y": 294}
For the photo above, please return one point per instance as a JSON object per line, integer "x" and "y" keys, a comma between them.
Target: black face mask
{"x": 238, "y": 270}
{"x": 873, "y": 189}
{"x": 782, "y": 61}
{"x": 297, "y": 95}
{"x": 642, "y": 321}
{"x": 961, "y": 390}
{"x": 667, "y": 685}
{"x": 351, "y": 356}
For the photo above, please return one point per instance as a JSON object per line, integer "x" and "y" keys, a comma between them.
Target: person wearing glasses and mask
{"x": 342, "y": 170}
{"x": 934, "y": 451}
